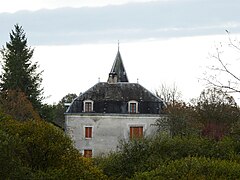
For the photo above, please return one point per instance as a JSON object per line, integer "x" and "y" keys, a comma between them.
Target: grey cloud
{"x": 124, "y": 22}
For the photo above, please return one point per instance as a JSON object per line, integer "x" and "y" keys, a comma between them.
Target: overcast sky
{"x": 15, "y": 5}
{"x": 74, "y": 24}
{"x": 165, "y": 40}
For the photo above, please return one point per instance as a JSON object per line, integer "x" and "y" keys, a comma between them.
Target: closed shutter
{"x": 136, "y": 132}
{"x": 87, "y": 153}
{"x": 88, "y": 132}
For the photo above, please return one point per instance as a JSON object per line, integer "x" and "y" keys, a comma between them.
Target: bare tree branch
{"x": 170, "y": 94}
{"x": 225, "y": 67}
{"x": 231, "y": 42}
{"x": 229, "y": 88}
{"x": 233, "y": 83}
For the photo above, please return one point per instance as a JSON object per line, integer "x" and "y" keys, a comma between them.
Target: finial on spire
{"x": 118, "y": 45}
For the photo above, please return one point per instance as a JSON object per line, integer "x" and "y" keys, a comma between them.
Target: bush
{"x": 194, "y": 168}
{"x": 44, "y": 151}
{"x": 150, "y": 153}
{"x": 12, "y": 167}
{"x": 130, "y": 158}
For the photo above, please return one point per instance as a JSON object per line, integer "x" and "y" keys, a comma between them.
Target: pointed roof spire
{"x": 118, "y": 69}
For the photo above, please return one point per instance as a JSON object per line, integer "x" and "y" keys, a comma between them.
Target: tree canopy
{"x": 38, "y": 150}
{"x": 217, "y": 112}
{"x": 19, "y": 72}
{"x": 55, "y": 113}
{"x": 17, "y": 105}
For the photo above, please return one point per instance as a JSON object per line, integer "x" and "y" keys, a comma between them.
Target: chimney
{"x": 112, "y": 79}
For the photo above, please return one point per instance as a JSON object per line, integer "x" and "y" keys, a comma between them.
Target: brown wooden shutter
{"x": 88, "y": 132}
{"x": 136, "y": 132}
{"x": 87, "y": 153}
{"x": 131, "y": 132}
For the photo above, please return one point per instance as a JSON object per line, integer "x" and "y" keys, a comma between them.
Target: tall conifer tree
{"x": 19, "y": 72}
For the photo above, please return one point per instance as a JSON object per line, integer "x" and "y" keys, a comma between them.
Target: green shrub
{"x": 194, "y": 168}
{"x": 12, "y": 167}
{"x": 129, "y": 159}
{"x": 40, "y": 150}
{"x": 150, "y": 153}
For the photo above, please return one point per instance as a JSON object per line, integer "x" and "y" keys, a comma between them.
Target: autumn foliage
{"x": 38, "y": 150}
{"x": 16, "y": 104}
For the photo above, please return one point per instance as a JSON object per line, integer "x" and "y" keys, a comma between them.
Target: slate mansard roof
{"x": 113, "y": 96}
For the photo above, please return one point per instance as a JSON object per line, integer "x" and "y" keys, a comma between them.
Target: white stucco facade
{"x": 107, "y": 129}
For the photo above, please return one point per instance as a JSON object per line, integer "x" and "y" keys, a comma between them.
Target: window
{"x": 88, "y": 106}
{"x": 87, "y": 153}
{"x": 133, "y": 107}
{"x": 88, "y": 132}
{"x": 136, "y": 132}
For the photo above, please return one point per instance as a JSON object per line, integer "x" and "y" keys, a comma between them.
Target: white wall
{"x": 107, "y": 129}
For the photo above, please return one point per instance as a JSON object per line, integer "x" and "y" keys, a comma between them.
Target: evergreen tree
{"x": 19, "y": 72}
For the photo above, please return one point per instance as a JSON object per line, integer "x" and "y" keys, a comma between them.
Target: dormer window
{"x": 88, "y": 106}
{"x": 133, "y": 107}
